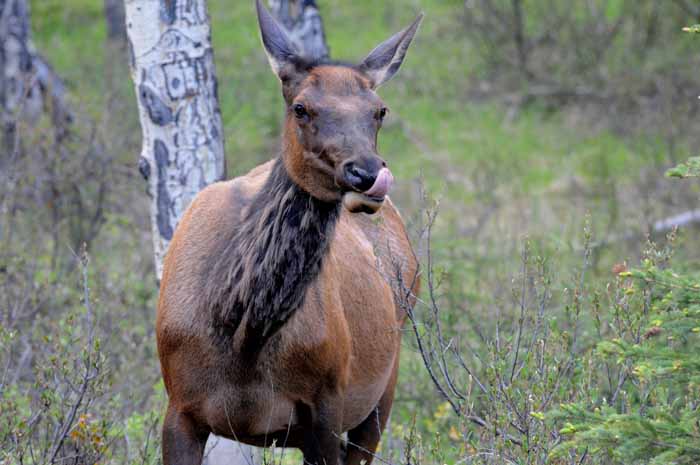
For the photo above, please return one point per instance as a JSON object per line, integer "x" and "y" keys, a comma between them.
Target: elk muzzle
{"x": 371, "y": 189}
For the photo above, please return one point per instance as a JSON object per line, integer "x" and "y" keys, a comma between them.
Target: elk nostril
{"x": 358, "y": 172}
{"x": 353, "y": 173}
{"x": 358, "y": 178}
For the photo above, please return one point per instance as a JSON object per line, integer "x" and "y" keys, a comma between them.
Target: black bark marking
{"x": 160, "y": 152}
{"x": 215, "y": 90}
{"x": 168, "y": 11}
{"x": 179, "y": 79}
{"x": 132, "y": 54}
{"x": 158, "y": 111}
{"x": 144, "y": 168}
{"x": 217, "y": 111}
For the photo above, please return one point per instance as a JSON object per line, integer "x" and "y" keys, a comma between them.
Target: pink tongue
{"x": 382, "y": 184}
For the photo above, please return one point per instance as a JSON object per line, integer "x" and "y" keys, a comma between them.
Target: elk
{"x": 279, "y": 317}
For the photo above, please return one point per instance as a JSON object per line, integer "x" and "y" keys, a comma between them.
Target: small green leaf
{"x": 688, "y": 169}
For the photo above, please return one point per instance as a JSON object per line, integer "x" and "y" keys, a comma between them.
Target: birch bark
{"x": 172, "y": 65}
{"x": 28, "y": 84}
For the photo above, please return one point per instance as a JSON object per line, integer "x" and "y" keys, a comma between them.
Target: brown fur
{"x": 332, "y": 365}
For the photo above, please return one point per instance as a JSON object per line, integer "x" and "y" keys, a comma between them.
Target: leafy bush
{"x": 653, "y": 415}
{"x": 57, "y": 396}
{"x": 575, "y": 369}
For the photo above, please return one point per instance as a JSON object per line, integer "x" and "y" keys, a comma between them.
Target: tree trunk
{"x": 304, "y": 25}
{"x": 172, "y": 64}
{"x": 28, "y": 84}
{"x": 114, "y": 16}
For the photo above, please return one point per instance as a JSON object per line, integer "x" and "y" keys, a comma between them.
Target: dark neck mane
{"x": 261, "y": 274}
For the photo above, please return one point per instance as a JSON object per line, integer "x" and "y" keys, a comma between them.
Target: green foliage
{"x": 652, "y": 415}
{"x": 49, "y": 418}
{"x": 687, "y": 169}
{"x": 572, "y": 368}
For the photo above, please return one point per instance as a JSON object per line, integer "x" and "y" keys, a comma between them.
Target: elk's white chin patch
{"x": 356, "y": 202}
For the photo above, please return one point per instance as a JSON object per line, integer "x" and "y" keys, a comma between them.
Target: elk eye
{"x": 381, "y": 114}
{"x": 299, "y": 111}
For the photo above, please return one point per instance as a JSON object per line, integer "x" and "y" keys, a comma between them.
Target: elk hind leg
{"x": 364, "y": 438}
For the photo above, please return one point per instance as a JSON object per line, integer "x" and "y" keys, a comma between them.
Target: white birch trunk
{"x": 172, "y": 65}
{"x": 28, "y": 84}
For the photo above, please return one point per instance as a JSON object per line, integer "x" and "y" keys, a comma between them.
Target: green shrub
{"x": 653, "y": 415}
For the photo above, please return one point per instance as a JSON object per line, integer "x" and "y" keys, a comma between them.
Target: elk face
{"x": 333, "y": 117}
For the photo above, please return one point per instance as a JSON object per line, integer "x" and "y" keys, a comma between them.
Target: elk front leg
{"x": 183, "y": 442}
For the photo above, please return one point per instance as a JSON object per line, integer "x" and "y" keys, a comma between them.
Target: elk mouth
{"x": 371, "y": 200}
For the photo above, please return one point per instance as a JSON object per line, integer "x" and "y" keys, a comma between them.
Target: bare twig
{"x": 89, "y": 373}
{"x": 436, "y": 355}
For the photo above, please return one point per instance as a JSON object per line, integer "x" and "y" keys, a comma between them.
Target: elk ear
{"x": 385, "y": 60}
{"x": 280, "y": 49}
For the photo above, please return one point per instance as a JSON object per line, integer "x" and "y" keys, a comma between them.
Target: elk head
{"x": 333, "y": 117}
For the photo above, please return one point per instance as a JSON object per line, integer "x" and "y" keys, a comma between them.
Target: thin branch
{"x": 521, "y": 320}
{"x": 88, "y": 375}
